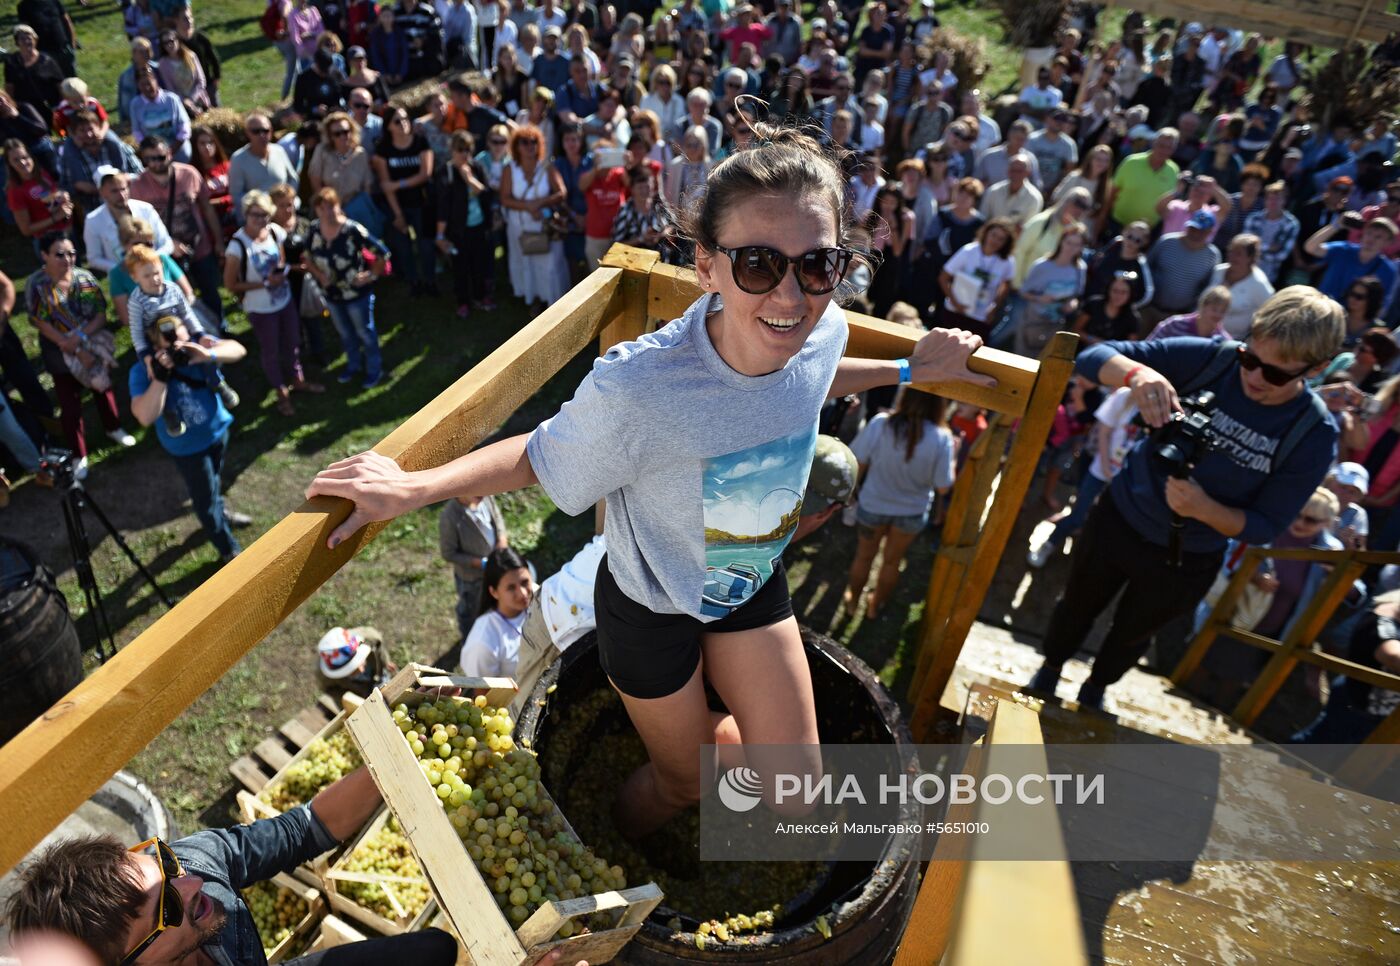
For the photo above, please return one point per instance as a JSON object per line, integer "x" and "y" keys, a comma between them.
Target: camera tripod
{"x": 75, "y": 499}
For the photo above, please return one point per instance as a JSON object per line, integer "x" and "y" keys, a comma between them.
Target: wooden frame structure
{"x": 60, "y": 759}
{"x": 1325, "y": 23}
{"x": 1298, "y": 644}
{"x": 967, "y": 910}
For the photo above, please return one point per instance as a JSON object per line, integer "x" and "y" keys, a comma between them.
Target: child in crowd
{"x": 155, "y": 298}
{"x": 75, "y": 99}
{"x": 1349, "y": 482}
{"x": 1073, "y": 420}
{"x": 492, "y": 647}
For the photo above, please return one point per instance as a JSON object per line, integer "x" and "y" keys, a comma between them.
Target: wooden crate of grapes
{"x": 506, "y": 867}
{"x": 377, "y": 882}
{"x": 277, "y": 778}
{"x": 285, "y": 911}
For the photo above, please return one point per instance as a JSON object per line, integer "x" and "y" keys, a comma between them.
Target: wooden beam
{"x": 673, "y": 289}
{"x": 959, "y": 544}
{"x": 1019, "y": 911}
{"x": 1311, "y": 22}
{"x": 1367, "y": 763}
{"x": 1220, "y": 617}
{"x": 930, "y": 925}
{"x": 1304, "y": 631}
{"x": 1056, "y": 363}
{"x": 63, "y": 757}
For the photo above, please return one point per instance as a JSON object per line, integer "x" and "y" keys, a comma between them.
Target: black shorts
{"x": 650, "y": 655}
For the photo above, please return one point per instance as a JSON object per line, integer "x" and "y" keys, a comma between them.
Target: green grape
{"x": 323, "y": 761}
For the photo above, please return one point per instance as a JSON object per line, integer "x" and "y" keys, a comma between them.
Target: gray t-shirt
{"x": 1180, "y": 274}
{"x": 703, "y": 468}
{"x": 1056, "y": 156}
{"x": 896, "y": 486}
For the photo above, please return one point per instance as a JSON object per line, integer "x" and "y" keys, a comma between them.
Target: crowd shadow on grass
{"x": 230, "y": 50}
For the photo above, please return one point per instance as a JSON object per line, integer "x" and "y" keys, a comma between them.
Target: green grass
{"x": 252, "y": 67}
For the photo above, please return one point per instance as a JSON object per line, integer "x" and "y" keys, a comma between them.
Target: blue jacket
{"x": 228, "y": 860}
{"x": 1239, "y": 472}
{"x": 388, "y": 52}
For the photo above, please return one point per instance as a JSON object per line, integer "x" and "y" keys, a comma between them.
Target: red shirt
{"x": 186, "y": 222}
{"x": 755, "y": 33}
{"x": 32, "y": 196}
{"x": 605, "y": 196}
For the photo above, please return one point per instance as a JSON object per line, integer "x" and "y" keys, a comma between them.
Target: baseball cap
{"x": 1142, "y": 131}
{"x": 1352, "y": 474}
{"x": 553, "y": 31}
{"x": 1342, "y": 182}
{"x": 1194, "y": 29}
{"x": 833, "y": 475}
{"x": 1063, "y": 115}
{"x": 1295, "y": 153}
{"x": 341, "y": 653}
{"x": 1202, "y": 219}
{"x": 103, "y": 172}
{"x": 355, "y": 52}
{"x": 1386, "y": 223}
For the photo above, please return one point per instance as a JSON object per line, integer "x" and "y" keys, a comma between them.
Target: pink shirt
{"x": 303, "y": 27}
{"x": 1179, "y": 211}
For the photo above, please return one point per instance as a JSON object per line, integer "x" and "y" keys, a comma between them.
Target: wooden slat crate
{"x": 315, "y": 911}
{"x": 334, "y": 932}
{"x": 348, "y": 907}
{"x": 456, "y": 882}
{"x": 271, "y": 755}
{"x": 274, "y": 755}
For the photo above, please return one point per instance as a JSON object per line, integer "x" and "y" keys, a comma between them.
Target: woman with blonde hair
{"x": 180, "y": 72}
{"x": 342, "y": 163}
{"x": 686, "y": 173}
{"x": 1094, "y": 174}
{"x": 1040, "y": 236}
{"x": 540, "y": 113}
{"x": 255, "y": 268}
{"x": 663, "y": 100}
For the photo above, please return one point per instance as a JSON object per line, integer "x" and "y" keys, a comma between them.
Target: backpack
{"x": 1225, "y": 357}
{"x": 272, "y": 23}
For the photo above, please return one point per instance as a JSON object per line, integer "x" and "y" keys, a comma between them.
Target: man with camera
{"x": 170, "y": 379}
{"x": 1239, "y": 444}
{"x": 1346, "y": 261}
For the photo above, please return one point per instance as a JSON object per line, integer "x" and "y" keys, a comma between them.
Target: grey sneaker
{"x": 1040, "y": 556}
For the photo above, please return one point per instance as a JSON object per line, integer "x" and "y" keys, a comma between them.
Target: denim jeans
{"x": 206, "y": 275}
{"x": 289, "y": 59}
{"x": 354, "y": 321}
{"x": 1089, "y": 488}
{"x": 15, "y": 439}
{"x": 201, "y": 472}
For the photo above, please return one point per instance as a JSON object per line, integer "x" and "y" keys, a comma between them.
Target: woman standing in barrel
{"x": 700, "y": 505}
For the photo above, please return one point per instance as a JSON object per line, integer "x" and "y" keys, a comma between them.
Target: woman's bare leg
{"x": 896, "y": 545}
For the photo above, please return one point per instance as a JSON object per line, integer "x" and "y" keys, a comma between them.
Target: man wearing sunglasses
{"x": 180, "y": 902}
{"x": 1274, "y": 443}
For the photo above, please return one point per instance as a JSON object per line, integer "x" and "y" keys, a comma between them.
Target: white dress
{"x": 533, "y": 277}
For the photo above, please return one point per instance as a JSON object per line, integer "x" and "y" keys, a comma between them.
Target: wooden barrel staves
{"x": 40, "y": 658}
{"x": 864, "y": 905}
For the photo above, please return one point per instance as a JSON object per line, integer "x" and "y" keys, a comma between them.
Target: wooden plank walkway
{"x": 1143, "y": 913}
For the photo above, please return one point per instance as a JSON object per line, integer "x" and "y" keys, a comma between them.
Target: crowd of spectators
{"x": 1144, "y": 183}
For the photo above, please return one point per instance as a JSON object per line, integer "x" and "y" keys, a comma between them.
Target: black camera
{"x": 169, "y": 328}
{"x": 1184, "y": 440}
{"x": 58, "y": 465}
{"x": 1177, "y": 447}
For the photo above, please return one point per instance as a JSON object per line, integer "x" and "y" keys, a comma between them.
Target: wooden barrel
{"x": 40, "y": 658}
{"x": 876, "y": 897}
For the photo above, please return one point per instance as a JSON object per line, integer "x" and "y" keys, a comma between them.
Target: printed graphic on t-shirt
{"x": 751, "y": 502}
{"x": 1246, "y": 447}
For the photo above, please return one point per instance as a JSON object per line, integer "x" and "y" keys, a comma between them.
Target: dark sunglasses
{"x": 69, "y": 254}
{"x": 170, "y": 910}
{"x": 259, "y": 130}
{"x": 340, "y": 132}
{"x": 758, "y": 270}
{"x": 1306, "y": 518}
{"x": 1357, "y": 295}
{"x": 360, "y": 107}
{"x": 1272, "y": 374}
{"x": 1138, "y": 239}
{"x": 498, "y": 142}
